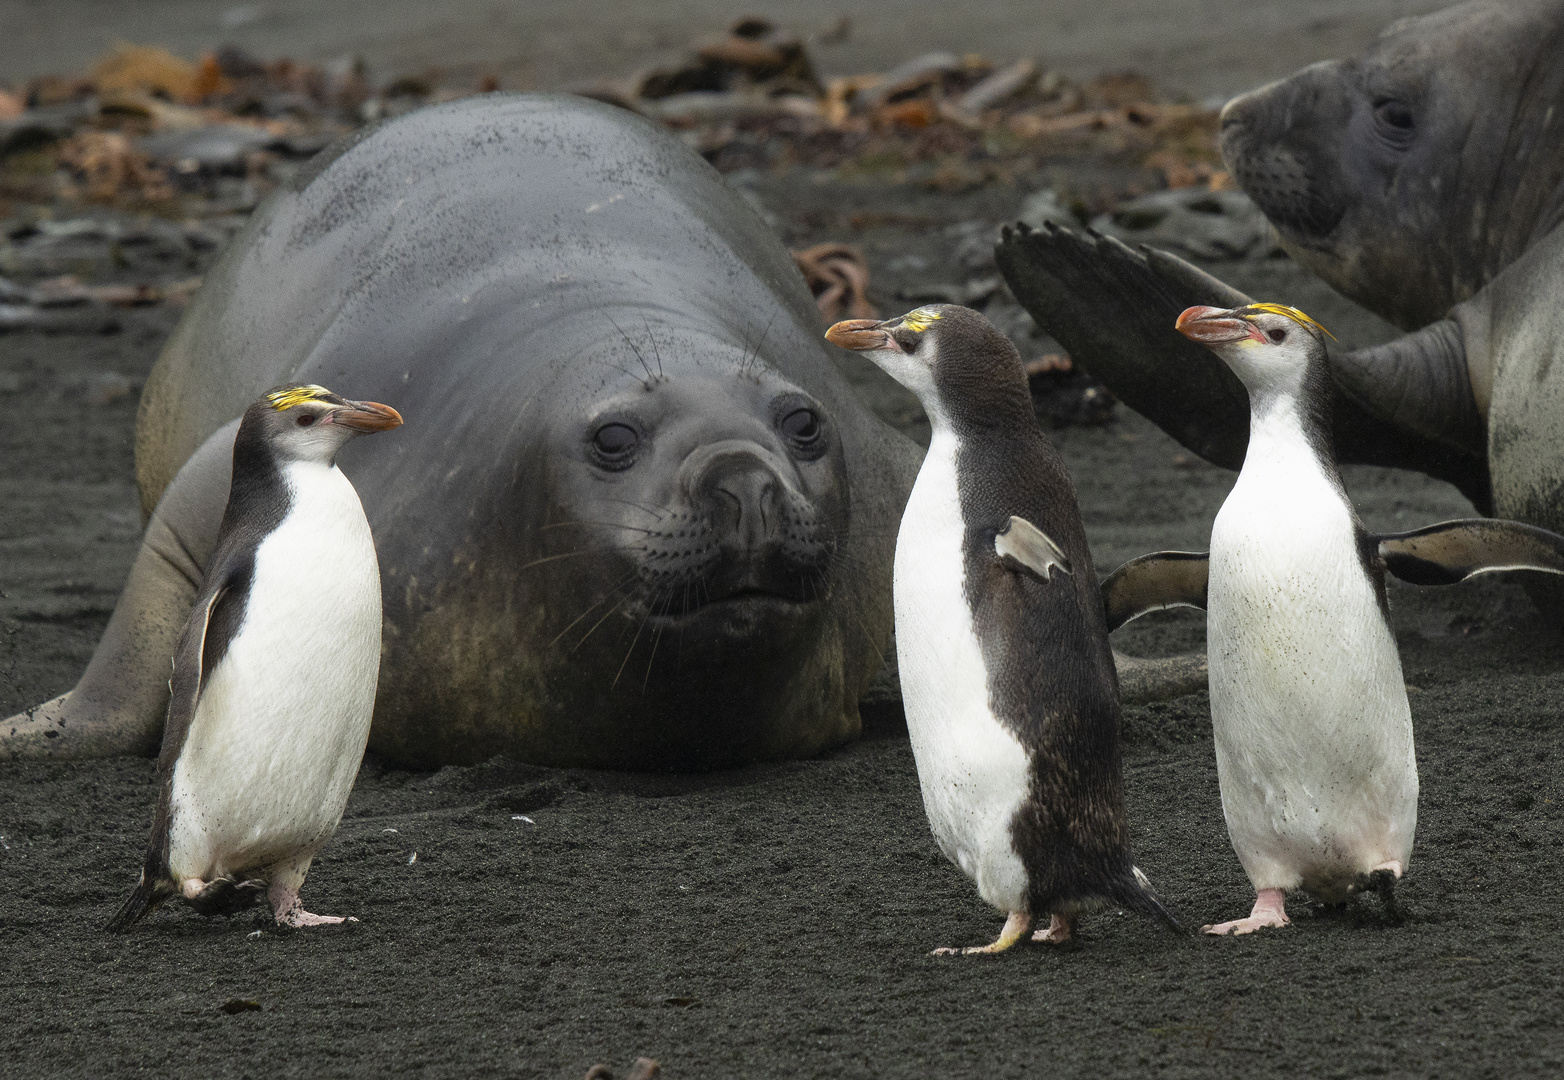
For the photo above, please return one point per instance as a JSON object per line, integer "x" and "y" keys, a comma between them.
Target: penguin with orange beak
{"x": 274, "y": 675}
{"x": 1007, "y": 679}
{"x": 1308, "y": 706}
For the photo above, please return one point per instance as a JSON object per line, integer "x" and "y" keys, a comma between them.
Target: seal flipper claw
{"x": 119, "y": 705}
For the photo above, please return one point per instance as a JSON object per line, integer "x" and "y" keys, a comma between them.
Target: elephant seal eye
{"x": 801, "y": 425}
{"x": 306, "y": 419}
{"x": 1277, "y": 335}
{"x": 615, "y": 441}
{"x": 1394, "y": 114}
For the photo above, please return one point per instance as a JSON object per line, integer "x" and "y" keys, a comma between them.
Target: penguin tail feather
{"x": 1134, "y": 893}
{"x": 144, "y": 898}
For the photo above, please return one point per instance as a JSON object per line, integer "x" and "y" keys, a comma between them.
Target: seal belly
{"x": 973, "y": 772}
{"x": 1312, "y": 729}
{"x": 281, "y": 725}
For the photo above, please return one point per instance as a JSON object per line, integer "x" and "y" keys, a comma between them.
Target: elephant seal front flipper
{"x": 118, "y": 706}
{"x": 1405, "y": 404}
{"x": 1155, "y": 582}
{"x": 1113, "y": 310}
{"x": 1452, "y": 551}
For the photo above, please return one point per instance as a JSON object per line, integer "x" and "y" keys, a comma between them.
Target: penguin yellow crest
{"x": 296, "y": 395}
{"x": 1290, "y": 313}
{"x": 918, "y": 321}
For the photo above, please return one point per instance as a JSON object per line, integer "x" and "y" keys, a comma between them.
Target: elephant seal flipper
{"x": 118, "y": 706}
{"x": 1452, "y": 551}
{"x": 1113, "y": 310}
{"x": 1407, "y": 404}
{"x": 1155, "y": 582}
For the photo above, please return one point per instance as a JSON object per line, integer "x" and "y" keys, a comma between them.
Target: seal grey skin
{"x": 639, "y": 518}
{"x": 1007, "y": 679}
{"x": 1423, "y": 179}
{"x": 1410, "y": 176}
{"x": 274, "y": 676}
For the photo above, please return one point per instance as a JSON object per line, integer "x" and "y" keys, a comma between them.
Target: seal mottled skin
{"x": 640, "y": 519}
{"x": 1409, "y": 176}
{"x": 1423, "y": 179}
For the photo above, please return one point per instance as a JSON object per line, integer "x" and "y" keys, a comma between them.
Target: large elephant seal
{"x": 1423, "y": 179}
{"x": 638, "y": 518}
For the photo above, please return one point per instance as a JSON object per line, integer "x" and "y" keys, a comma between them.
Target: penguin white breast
{"x": 280, "y": 728}
{"x": 1309, "y": 709}
{"x": 973, "y": 771}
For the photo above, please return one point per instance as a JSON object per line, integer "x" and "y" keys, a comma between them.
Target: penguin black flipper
{"x": 1155, "y": 582}
{"x": 189, "y": 662}
{"x": 1023, "y": 546}
{"x": 1455, "y": 550}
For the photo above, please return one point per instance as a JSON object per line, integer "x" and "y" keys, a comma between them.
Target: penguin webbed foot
{"x": 1382, "y": 881}
{"x": 1060, "y": 929}
{"x": 288, "y": 909}
{"x": 1269, "y": 911}
{"x": 222, "y": 896}
{"x": 1015, "y": 929}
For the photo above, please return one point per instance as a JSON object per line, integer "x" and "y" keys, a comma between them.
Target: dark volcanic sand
{"x": 774, "y": 921}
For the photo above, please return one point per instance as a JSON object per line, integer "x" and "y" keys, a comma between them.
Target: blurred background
{"x": 1197, "y": 47}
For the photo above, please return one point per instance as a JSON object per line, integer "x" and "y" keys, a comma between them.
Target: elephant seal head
{"x": 1409, "y": 176}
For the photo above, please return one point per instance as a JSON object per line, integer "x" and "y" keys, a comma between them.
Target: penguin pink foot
{"x": 289, "y": 909}
{"x": 1015, "y": 929}
{"x": 1060, "y": 929}
{"x": 1269, "y": 910}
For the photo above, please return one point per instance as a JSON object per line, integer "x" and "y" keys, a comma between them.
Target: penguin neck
{"x": 1288, "y": 420}
{"x": 999, "y": 411}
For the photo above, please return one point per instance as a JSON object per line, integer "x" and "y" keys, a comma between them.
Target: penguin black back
{"x": 1051, "y": 675}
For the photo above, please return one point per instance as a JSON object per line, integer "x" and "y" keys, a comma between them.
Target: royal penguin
{"x": 1308, "y": 705}
{"x": 1309, "y": 711}
{"x": 1007, "y": 679}
{"x": 274, "y": 673}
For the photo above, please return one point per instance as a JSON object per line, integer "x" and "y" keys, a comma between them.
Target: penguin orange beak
{"x": 862, "y": 335}
{"x": 1215, "y": 326}
{"x": 366, "y": 416}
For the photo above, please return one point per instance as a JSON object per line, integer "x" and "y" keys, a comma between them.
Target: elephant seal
{"x": 640, "y": 519}
{"x": 1424, "y": 180}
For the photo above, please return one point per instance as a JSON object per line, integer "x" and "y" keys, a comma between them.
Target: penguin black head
{"x": 1270, "y": 347}
{"x": 950, "y": 356}
{"x": 302, "y": 422}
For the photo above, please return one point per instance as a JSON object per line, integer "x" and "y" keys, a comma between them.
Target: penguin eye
{"x": 1277, "y": 334}
{"x": 305, "y": 419}
{"x": 613, "y": 444}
